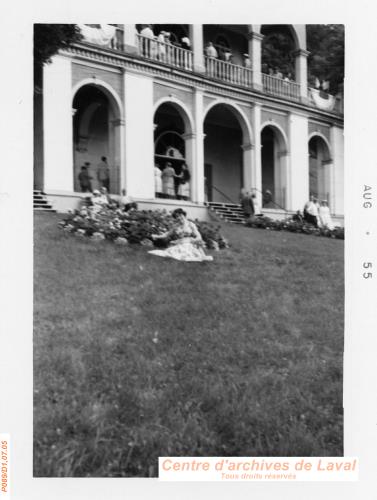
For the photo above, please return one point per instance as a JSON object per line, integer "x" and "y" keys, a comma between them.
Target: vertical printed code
{"x": 5, "y": 466}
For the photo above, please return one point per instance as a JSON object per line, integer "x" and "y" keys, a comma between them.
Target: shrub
{"x": 135, "y": 226}
{"x": 295, "y": 226}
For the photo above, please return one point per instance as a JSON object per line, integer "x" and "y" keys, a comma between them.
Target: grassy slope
{"x": 138, "y": 356}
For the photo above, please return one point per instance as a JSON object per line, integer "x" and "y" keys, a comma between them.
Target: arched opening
{"x": 230, "y": 41}
{"x": 170, "y": 136}
{"x": 274, "y": 168}
{"x": 278, "y": 46}
{"x": 319, "y": 168}
{"x": 223, "y": 155}
{"x": 96, "y": 135}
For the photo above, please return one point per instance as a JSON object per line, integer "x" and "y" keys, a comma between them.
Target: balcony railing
{"x": 164, "y": 52}
{"x": 281, "y": 87}
{"x": 112, "y": 36}
{"x": 228, "y": 72}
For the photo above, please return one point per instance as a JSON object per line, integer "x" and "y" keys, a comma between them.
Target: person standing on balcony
{"x": 103, "y": 173}
{"x": 149, "y": 48}
{"x": 228, "y": 56}
{"x": 212, "y": 54}
{"x": 186, "y": 44}
{"x": 168, "y": 181}
{"x": 211, "y": 51}
{"x": 161, "y": 50}
{"x": 278, "y": 73}
{"x": 246, "y": 61}
{"x": 325, "y": 85}
{"x": 169, "y": 48}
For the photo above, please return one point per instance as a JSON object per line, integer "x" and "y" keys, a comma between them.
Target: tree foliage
{"x": 325, "y": 42}
{"x": 277, "y": 52}
{"x": 49, "y": 38}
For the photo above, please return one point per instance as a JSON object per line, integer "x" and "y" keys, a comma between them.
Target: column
{"x": 198, "y": 163}
{"x": 57, "y": 125}
{"x": 189, "y": 139}
{"x": 118, "y": 160}
{"x": 337, "y": 187}
{"x": 196, "y": 38}
{"x": 302, "y": 73}
{"x": 130, "y": 39}
{"x": 139, "y": 144}
{"x": 257, "y": 171}
{"x": 248, "y": 171}
{"x": 298, "y": 173}
{"x": 255, "y": 53}
{"x": 282, "y": 175}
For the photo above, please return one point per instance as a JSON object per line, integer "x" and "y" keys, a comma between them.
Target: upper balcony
{"x": 231, "y": 54}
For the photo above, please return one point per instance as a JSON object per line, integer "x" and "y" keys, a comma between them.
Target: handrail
{"x": 222, "y": 194}
{"x": 253, "y": 189}
{"x": 272, "y": 201}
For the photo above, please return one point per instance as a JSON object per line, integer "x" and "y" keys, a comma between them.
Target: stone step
{"x": 40, "y": 202}
{"x": 44, "y": 209}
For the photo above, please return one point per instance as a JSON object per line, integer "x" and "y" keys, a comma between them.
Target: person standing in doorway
{"x": 85, "y": 179}
{"x": 103, "y": 173}
{"x": 168, "y": 181}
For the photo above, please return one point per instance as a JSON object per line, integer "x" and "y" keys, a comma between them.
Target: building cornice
{"x": 129, "y": 62}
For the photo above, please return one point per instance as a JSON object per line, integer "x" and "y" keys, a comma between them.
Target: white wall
{"x": 337, "y": 145}
{"x": 57, "y": 125}
{"x": 298, "y": 170}
{"x": 139, "y": 147}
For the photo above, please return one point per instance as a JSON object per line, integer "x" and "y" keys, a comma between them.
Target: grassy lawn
{"x": 137, "y": 357}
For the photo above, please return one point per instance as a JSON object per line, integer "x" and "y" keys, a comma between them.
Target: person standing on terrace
{"x": 246, "y": 61}
{"x": 148, "y": 42}
{"x": 211, "y": 51}
{"x": 168, "y": 181}
{"x": 103, "y": 173}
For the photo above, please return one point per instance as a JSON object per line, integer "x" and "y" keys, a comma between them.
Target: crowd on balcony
{"x": 165, "y": 37}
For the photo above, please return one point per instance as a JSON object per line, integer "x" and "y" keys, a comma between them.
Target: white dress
{"x": 188, "y": 247}
{"x": 157, "y": 180}
{"x": 325, "y": 217}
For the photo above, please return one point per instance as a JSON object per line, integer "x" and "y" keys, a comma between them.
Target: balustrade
{"x": 228, "y": 72}
{"x": 172, "y": 55}
{"x": 280, "y": 87}
{"x": 164, "y": 52}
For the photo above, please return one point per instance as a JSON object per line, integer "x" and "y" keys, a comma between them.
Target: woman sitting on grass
{"x": 187, "y": 243}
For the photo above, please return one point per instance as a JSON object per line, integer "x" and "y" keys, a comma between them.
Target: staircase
{"x": 40, "y": 202}
{"x": 229, "y": 212}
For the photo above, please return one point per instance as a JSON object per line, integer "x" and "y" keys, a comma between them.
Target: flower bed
{"x": 136, "y": 226}
{"x": 295, "y": 226}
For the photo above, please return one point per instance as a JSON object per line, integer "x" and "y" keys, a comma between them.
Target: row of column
{"x": 134, "y": 145}
{"x": 254, "y": 50}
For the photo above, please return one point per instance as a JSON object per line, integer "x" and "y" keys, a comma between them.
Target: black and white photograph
{"x": 187, "y": 268}
{"x": 188, "y": 244}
